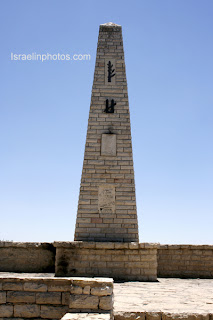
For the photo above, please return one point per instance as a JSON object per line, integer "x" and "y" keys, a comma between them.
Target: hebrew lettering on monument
{"x": 110, "y": 108}
{"x": 110, "y": 71}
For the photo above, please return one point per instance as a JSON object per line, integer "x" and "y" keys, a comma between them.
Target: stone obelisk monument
{"x": 107, "y": 205}
{"x": 106, "y": 234}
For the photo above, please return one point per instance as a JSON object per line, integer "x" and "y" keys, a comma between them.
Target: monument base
{"x": 121, "y": 261}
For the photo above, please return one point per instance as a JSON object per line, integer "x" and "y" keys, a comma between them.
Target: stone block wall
{"x": 27, "y": 257}
{"x": 185, "y": 261}
{"x": 52, "y": 298}
{"x": 121, "y": 261}
{"x": 159, "y": 315}
{"x": 126, "y": 261}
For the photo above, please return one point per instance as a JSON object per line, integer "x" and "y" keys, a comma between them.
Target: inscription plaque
{"x": 106, "y": 199}
{"x": 108, "y": 144}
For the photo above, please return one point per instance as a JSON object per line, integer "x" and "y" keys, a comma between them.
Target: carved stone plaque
{"x": 108, "y": 144}
{"x": 106, "y": 199}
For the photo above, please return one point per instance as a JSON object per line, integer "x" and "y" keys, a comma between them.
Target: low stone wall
{"x": 121, "y": 261}
{"x": 185, "y": 261}
{"x": 159, "y": 316}
{"x": 27, "y": 257}
{"x": 52, "y": 298}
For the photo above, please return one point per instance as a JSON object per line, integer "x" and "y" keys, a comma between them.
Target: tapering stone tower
{"x": 107, "y": 205}
{"x": 106, "y": 225}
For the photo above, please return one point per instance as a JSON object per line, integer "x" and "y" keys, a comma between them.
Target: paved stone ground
{"x": 167, "y": 295}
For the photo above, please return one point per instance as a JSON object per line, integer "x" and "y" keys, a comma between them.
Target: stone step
{"x": 88, "y": 316}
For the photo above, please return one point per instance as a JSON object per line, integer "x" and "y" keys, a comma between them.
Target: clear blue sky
{"x": 44, "y": 110}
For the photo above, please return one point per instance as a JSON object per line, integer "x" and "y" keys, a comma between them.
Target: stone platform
{"x": 42, "y": 296}
{"x": 117, "y": 260}
{"x": 166, "y": 299}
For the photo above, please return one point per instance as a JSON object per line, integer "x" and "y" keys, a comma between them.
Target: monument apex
{"x": 110, "y": 24}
